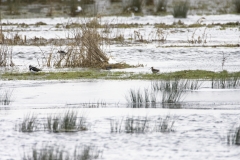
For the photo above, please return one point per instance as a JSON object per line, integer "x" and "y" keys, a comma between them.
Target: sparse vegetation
{"x": 116, "y": 125}
{"x": 226, "y": 82}
{"x": 56, "y": 152}
{"x": 136, "y": 124}
{"x": 165, "y": 124}
{"x": 172, "y": 91}
{"x": 69, "y": 122}
{"x": 6, "y": 96}
{"x": 200, "y": 38}
{"x": 139, "y": 99}
{"x": 29, "y": 123}
{"x": 186, "y": 84}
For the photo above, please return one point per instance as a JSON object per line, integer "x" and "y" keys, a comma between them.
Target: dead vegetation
{"x": 85, "y": 50}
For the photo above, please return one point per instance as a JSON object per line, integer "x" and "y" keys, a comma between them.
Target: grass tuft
{"x": 56, "y": 152}
{"x": 29, "y": 123}
{"x": 6, "y": 97}
{"x": 139, "y": 99}
{"x": 136, "y": 124}
{"x": 164, "y": 124}
{"x": 116, "y": 125}
{"x": 69, "y": 122}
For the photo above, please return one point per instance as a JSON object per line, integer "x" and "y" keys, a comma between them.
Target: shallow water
{"x": 199, "y": 134}
{"x": 202, "y": 119}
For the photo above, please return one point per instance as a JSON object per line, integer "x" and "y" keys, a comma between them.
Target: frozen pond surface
{"x": 201, "y": 125}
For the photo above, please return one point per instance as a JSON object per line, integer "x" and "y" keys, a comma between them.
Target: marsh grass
{"x": 180, "y": 9}
{"x": 87, "y": 153}
{"x": 56, "y": 152}
{"x": 6, "y": 97}
{"x": 187, "y": 84}
{"x": 116, "y": 125}
{"x": 165, "y": 124}
{"x": 173, "y": 91}
{"x": 29, "y": 123}
{"x": 69, "y": 122}
{"x": 226, "y": 80}
{"x": 136, "y": 124}
{"x": 139, "y": 98}
{"x": 233, "y": 136}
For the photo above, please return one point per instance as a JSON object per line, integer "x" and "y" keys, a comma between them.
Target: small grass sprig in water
{"x": 172, "y": 91}
{"x": 164, "y": 124}
{"x": 69, "y": 122}
{"x": 87, "y": 153}
{"x": 6, "y": 97}
{"x": 116, "y": 125}
{"x": 137, "y": 99}
{"x": 226, "y": 82}
{"x": 186, "y": 84}
{"x": 56, "y": 152}
{"x": 136, "y": 124}
{"x": 29, "y": 123}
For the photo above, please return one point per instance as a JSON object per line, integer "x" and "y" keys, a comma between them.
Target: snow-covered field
{"x": 201, "y": 126}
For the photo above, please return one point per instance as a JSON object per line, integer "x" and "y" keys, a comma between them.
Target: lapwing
{"x": 34, "y": 69}
{"x": 154, "y": 70}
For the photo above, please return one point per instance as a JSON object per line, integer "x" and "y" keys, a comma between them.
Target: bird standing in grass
{"x": 34, "y": 69}
{"x": 154, "y": 70}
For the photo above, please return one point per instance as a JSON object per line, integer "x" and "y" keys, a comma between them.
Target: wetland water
{"x": 201, "y": 123}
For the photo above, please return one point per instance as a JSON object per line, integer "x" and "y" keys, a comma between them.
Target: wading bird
{"x": 34, "y": 69}
{"x": 154, "y": 70}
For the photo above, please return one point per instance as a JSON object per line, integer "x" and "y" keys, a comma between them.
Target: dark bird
{"x": 154, "y": 70}
{"x": 62, "y": 52}
{"x": 34, "y": 69}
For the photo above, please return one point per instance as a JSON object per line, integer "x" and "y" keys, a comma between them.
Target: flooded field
{"x": 201, "y": 122}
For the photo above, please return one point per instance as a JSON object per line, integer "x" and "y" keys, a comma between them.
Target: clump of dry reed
{"x": 85, "y": 50}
